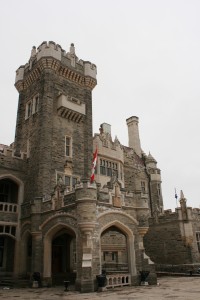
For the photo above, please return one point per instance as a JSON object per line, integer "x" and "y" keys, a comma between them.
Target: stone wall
{"x": 164, "y": 244}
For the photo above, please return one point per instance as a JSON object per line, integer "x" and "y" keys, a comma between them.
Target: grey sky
{"x": 147, "y": 54}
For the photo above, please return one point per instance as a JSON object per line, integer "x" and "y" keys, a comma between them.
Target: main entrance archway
{"x": 63, "y": 248}
{"x": 60, "y": 254}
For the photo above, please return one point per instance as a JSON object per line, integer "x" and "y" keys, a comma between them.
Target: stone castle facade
{"x": 53, "y": 220}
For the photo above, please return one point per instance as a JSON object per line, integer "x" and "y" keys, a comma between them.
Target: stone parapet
{"x": 51, "y": 56}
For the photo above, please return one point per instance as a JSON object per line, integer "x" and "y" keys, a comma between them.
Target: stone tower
{"x": 154, "y": 173}
{"x": 54, "y": 120}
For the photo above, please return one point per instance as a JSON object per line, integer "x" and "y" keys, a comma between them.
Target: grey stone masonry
{"x": 42, "y": 127}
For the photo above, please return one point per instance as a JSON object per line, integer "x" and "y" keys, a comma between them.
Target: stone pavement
{"x": 182, "y": 288}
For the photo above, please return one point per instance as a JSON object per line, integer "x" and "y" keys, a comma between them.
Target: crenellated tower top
{"x": 50, "y": 55}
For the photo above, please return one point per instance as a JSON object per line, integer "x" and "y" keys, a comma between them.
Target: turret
{"x": 155, "y": 185}
{"x": 133, "y": 134}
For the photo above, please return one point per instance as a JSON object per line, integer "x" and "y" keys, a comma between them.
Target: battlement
{"x": 48, "y": 49}
{"x": 8, "y": 151}
{"x": 53, "y": 51}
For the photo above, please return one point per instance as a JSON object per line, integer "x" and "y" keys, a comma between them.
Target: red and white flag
{"x": 94, "y": 163}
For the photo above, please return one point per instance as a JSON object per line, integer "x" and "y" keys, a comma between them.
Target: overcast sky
{"x": 147, "y": 54}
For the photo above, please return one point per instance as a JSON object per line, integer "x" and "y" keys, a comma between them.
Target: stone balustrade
{"x": 118, "y": 280}
{"x": 8, "y": 207}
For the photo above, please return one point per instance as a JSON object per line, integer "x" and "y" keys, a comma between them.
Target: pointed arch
{"x": 48, "y": 238}
{"x": 130, "y": 242}
{"x": 19, "y": 182}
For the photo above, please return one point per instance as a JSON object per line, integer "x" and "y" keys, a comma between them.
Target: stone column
{"x": 37, "y": 256}
{"x": 17, "y": 259}
{"x": 37, "y": 246}
{"x": 86, "y": 198}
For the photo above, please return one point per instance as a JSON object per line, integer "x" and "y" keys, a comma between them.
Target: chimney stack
{"x": 133, "y": 134}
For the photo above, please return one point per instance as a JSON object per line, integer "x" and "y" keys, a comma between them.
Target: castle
{"x": 53, "y": 219}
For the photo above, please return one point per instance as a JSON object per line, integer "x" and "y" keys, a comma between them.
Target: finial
{"x": 33, "y": 51}
{"x": 182, "y": 195}
{"x": 72, "y": 49}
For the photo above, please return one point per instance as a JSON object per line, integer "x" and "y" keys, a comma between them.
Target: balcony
{"x": 8, "y": 207}
{"x": 70, "y": 108}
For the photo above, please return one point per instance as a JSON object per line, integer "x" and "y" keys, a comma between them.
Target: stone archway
{"x": 126, "y": 235}
{"x": 59, "y": 254}
{"x": 11, "y": 196}
{"x": 114, "y": 252}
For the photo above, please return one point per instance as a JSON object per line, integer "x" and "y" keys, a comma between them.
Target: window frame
{"x": 32, "y": 106}
{"x": 197, "y": 234}
{"x": 69, "y": 145}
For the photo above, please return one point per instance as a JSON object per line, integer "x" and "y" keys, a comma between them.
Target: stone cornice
{"x": 61, "y": 70}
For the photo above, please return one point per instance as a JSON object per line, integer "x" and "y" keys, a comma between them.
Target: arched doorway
{"x": 60, "y": 254}
{"x": 7, "y": 254}
{"x": 114, "y": 250}
{"x": 63, "y": 248}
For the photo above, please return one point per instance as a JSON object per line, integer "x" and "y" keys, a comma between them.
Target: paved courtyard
{"x": 168, "y": 288}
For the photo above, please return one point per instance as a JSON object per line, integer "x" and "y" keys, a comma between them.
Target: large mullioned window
{"x": 108, "y": 168}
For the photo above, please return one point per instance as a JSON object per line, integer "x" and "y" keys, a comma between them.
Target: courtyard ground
{"x": 168, "y": 288}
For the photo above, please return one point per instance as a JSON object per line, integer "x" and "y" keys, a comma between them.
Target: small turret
{"x": 183, "y": 206}
{"x": 150, "y": 161}
{"x": 133, "y": 134}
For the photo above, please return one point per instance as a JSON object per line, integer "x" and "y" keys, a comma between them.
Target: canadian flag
{"x": 94, "y": 163}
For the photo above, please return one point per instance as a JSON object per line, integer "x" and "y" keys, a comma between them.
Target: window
{"x": 74, "y": 181}
{"x": 68, "y": 151}
{"x": 4, "y": 191}
{"x": 31, "y": 107}
{"x": 108, "y": 168}
{"x": 143, "y": 188}
{"x": 28, "y": 109}
{"x": 28, "y": 148}
{"x": 68, "y": 180}
{"x": 35, "y": 103}
{"x": 158, "y": 189}
{"x": 198, "y": 240}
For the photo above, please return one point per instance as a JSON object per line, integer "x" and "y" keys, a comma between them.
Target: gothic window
{"x": 68, "y": 146}
{"x": 198, "y": 240}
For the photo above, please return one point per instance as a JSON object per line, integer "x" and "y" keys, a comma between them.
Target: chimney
{"x": 106, "y": 128}
{"x": 133, "y": 134}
